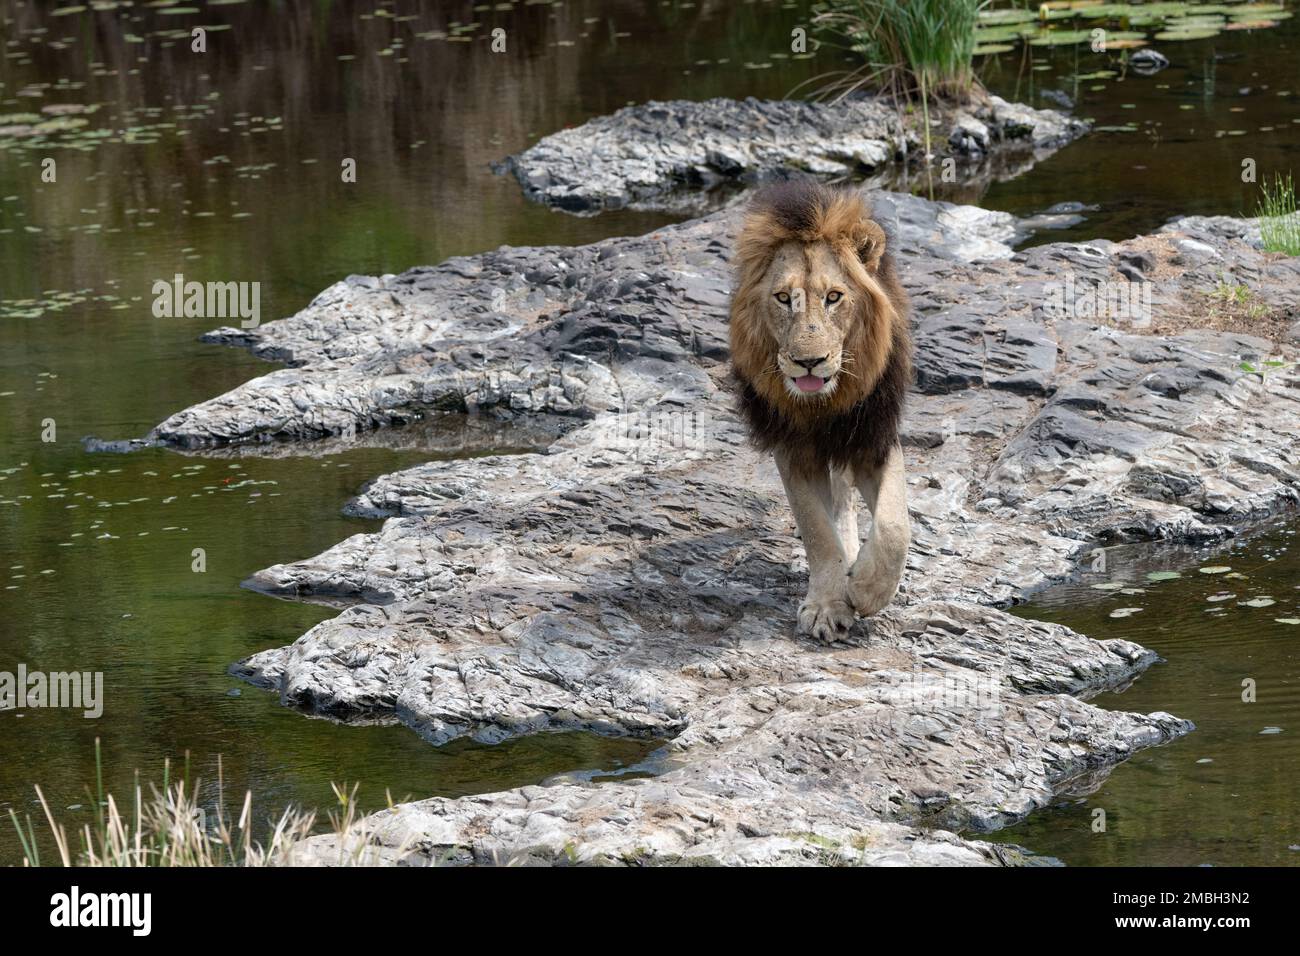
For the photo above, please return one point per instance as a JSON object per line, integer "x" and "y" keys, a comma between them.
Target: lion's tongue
{"x": 809, "y": 383}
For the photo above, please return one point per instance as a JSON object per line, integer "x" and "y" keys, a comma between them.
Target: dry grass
{"x": 169, "y": 826}
{"x": 1226, "y": 308}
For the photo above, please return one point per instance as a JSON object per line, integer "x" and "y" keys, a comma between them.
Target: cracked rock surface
{"x": 664, "y": 154}
{"x": 640, "y": 575}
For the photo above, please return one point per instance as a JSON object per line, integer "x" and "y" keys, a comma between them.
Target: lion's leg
{"x": 875, "y": 575}
{"x": 844, "y": 511}
{"x": 825, "y": 613}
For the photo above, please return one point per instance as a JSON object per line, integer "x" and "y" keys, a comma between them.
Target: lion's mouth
{"x": 809, "y": 383}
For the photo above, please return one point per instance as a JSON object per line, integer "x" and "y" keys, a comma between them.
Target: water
{"x": 1221, "y": 101}
{"x": 224, "y": 165}
{"x": 1226, "y": 793}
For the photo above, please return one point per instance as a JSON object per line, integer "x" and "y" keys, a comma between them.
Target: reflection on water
{"x": 1226, "y": 793}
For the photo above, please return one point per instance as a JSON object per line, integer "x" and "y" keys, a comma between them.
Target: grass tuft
{"x": 907, "y": 47}
{"x": 1279, "y": 223}
{"x": 170, "y": 826}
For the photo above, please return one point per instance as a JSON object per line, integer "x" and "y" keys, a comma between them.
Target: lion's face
{"x": 808, "y": 308}
{"x": 817, "y": 309}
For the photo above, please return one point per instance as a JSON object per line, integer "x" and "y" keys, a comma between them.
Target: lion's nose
{"x": 810, "y": 363}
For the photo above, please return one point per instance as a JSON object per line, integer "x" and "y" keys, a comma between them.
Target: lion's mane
{"x": 858, "y": 422}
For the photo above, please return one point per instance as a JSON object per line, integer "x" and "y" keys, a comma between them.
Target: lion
{"x": 822, "y": 356}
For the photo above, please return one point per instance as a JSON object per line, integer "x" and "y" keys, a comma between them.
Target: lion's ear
{"x": 871, "y": 244}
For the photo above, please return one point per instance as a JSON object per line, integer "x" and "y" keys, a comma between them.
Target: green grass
{"x": 907, "y": 47}
{"x": 1279, "y": 225}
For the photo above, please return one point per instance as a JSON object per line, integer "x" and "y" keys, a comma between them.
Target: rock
{"x": 639, "y": 576}
{"x": 665, "y": 155}
{"x": 1060, "y": 98}
{"x": 1147, "y": 61}
{"x": 1136, "y": 264}
{"x": 1062, "y": 215}
{"x": 523, "y": 332}
{"x": 969, "y": 136}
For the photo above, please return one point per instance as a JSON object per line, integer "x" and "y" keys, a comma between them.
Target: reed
{"x": 909, "y": 48}
{"x": 1279, "y": 222}
{"x": 170, "y": 825}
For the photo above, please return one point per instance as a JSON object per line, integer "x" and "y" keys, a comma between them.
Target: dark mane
{"x": 795, "y": 204}
{"x": 865, "y": 433}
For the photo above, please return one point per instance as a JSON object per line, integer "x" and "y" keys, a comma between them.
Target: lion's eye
{"x": 834, "y": 296}
{"x": 783, "y": 298}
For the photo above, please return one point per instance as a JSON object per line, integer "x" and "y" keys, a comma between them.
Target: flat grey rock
{"x": 666, "y": 154}
{"x": 639, "y": 576}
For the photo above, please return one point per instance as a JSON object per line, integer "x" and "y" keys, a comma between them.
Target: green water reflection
{"x": 1226, "y": 793}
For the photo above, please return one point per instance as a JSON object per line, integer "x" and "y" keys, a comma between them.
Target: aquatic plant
{"x": 170, "y": 826}
{"x": 1117, "y": 26}
{"x": 907, "y": 47}
{"x": 1279, "y": 222}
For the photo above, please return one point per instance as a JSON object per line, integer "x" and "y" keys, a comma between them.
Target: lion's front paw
{"x": 872, "y": 585}
{"x": 825, "y": 619}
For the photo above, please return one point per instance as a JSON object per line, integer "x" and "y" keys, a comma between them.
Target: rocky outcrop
{"x": 640, "y": 576}
{"x": 668, "y": 155}
{"x": 520, "y": 329}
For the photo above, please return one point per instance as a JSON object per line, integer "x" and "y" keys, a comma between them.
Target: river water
{"x": 224, "y": 165}
{"x": 1228, "y": 630}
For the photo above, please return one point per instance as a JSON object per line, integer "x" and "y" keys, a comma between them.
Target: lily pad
{"x": 1287, "y": 620}
{"x": 1259, "y": 602}
{"x": 1061, "y": 38}
{"x": 1007, "y": 16}
{"x": 1163, "y": 575}
{"x": 1000, "y": 34}
{"x": 1256, "y": 9}
{"x": 1200, "y": 33}
{"x": 1108, "y": 586}
{"x": 1216, "y": 569}
{"x": 1125, "y": 611}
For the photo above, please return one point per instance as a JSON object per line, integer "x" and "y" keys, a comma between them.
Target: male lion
{"x": 822, "y": 353}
